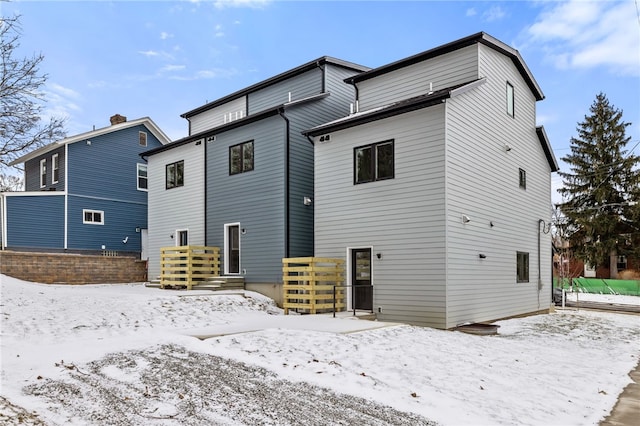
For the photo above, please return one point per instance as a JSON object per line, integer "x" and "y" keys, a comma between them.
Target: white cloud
{"x": 255, "y": 4}
{"x": 172, "y": 68}
{"x": 149, "y": 53}
{"x": 580, "y": 34}
{"x": 164, "y": 35}
{"x": 495, "y": 13}
{"x": 471, "y": 12}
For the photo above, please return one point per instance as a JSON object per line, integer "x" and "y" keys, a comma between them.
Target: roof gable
{"x": 480, "y": 37}
{"x": 146, "y": 121}
{"x": 276, "y": 79}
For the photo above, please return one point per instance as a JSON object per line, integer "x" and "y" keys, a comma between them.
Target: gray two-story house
{"x": 243, "y": 178}
{"x": 437, "y": 189}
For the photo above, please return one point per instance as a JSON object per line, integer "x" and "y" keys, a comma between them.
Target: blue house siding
{"x": 32, "y": 172}
{"x": 107, "y": 167}
{"x": 35, "y": 221}
{"x": 300, "y": 87}
{"x": 120, "y": 221}
{"x": 255, "y": 198}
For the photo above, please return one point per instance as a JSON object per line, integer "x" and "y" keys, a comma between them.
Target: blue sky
{"x": 163, "y": 58}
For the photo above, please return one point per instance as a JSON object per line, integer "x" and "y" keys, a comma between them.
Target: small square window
{"x": 174, "y": 174}
{"x": 241, "y": 158}
{"x": 510, "y": 100}
{"x": 374, "y": 162}
{"x": 522, "y": 178}
{"x": 522, "y": 267}
{"x": 93, "y": 217}
{"x": 142, "y": 138}
{"x": 621, "y": 263}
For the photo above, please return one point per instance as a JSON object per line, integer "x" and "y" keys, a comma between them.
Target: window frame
{"x": 242, "y": 168}
{"x": 176, "y": 183}
{"x": 522, "y": 178}
{"x": 43, "y": 173}
{"x": 55, "y": 168}
{"x": 93, "y": 215}
{"x": 511, "y": 100}
{"x": 139, "y": 166}
{"x": 142, "y": 138}
{"x": 179, "y": 234}
{"x": 522, "y": 276}
{"x": 622, "y": 260}
{"x": 374, "y": 166}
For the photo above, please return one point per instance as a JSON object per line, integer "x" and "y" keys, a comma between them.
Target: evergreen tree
{"x": 601, "y": 188}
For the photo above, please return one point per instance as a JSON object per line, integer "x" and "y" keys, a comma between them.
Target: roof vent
{"x": 117, "y": 119}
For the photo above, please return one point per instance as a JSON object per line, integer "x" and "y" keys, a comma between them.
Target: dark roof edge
{"x": 276, "y": 79}
{"x": 400, "y": 108}
{"x": 480, "y": 37}
{"x": 546, "y": 146}
{"x": 220, "y": 129}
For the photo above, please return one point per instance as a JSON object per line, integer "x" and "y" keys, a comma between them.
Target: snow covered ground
{"x": 126, "y": 355}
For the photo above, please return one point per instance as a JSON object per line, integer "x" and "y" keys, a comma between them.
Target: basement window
{"x": 93, "y": 217}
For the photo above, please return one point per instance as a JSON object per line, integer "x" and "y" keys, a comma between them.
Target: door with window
{"x": 232, "y": 248}
{"x": 361, "y": 279}
{"x": 182, "y": 237}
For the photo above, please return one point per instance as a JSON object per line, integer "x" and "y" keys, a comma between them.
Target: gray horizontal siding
{"x": 401, "y": 218}
{"x": 443, "y": 71}
{"x": 482, "y": 183}
{"x": 216, "y": 116}
{"x": 35, "y": 221}
{"x": 255, "y": 199}
{"x": 300, "y": 86}
{"x": 175, "y": 208}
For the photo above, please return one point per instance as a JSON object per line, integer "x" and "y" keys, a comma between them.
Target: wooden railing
{"x": 185, "y": 266}
{"x": 309, "y": 284}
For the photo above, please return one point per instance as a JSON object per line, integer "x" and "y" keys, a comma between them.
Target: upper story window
{"x": 510, "y": 100}
{"x": 55, "y": 168}
{"x": 175, "y": 174}
{"x": 522, "y": 267}
{"x": 233, "y": 116}
{"x": 522, "y": 178}
{"x": 142, "y": 138}
{"x": 621, "y": 263}
{"x": 93, "y": 217}
{"x": 241, "y": 158}
{"x": 373, "y": 162}
{"x": 43, "y": 173}
{"x": 143, "y": 181}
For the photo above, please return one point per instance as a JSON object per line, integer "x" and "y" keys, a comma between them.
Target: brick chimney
{"x": 117, "y": 119}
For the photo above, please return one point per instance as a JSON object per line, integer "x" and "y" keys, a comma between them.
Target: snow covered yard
{"x": 125, "y": 355}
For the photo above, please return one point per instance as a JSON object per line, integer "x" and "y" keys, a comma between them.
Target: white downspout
{"x": 66, "y": 191}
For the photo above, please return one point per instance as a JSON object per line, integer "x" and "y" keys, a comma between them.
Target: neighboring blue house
{"x": 85, "y": 193}
{"x": 243, "y": 178}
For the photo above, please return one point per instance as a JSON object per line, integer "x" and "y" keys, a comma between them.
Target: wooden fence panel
{"x": 309, "y": 283}
{"x": 188, "y": 265}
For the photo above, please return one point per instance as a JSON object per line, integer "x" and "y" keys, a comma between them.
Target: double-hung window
{"x": 522, "y": 267}
{"x": 143, "y": 181}
{"x": 175, "y": 174}
{"x": 373, "y": 162}
{"x": 55, "y": 168}
{"x": 241, "y": 158}
{"x": 43, "y": 173}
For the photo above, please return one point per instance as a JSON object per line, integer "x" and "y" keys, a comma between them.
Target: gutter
{"x": 287, "y": 210}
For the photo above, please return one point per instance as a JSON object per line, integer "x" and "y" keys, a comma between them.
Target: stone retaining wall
{"x": 52, "y": 268}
